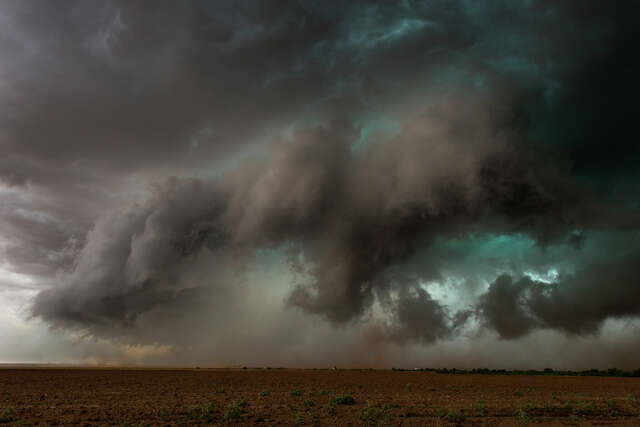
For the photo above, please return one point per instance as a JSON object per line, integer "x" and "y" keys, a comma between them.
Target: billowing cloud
{"x": 420, "y": 172}
{"x": 352, "y": 217}
{"x": 577, "y": 304}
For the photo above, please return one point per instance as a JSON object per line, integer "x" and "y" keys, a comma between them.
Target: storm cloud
{"x": 577, "y": 304}
{"x": 424, "y": 171}
{"x": 351, "y": 216}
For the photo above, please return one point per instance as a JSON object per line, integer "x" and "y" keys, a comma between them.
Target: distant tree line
{"x": 611, "y": 372}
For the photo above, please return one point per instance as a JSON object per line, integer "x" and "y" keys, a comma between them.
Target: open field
{"x": 84, "y": 397}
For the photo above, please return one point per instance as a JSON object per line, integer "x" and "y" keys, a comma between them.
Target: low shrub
{"x": 234, "y": 410}
{"x": 454, "y": 416}
{"x": 345, "y": 399}
{"x": 7, "y": 416}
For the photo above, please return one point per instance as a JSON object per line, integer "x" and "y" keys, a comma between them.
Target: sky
{"x": 316, "y": 183}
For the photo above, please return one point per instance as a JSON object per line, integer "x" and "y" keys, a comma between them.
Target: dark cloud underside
{"x": 151, "y": 155}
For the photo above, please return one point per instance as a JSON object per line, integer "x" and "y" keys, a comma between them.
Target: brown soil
{"x": 88, "y": 397}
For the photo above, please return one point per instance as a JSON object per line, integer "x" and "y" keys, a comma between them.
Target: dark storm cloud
{"x": 592, "y": 116}
{"x": 126, "y": 84}
{"x": 577, "y": 304}
{"x": 131, "y": 260}
{"x": 98, "y": 91}
{"x": 95, "y": 91}
{"x": 415, "y": 316}
{"x": 502, "y": 110}
{"x": 354, "y": 217}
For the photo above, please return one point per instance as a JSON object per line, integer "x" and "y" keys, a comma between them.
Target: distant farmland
{"x": 174, "y": 397}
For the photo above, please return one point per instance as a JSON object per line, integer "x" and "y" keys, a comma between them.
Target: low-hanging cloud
{"x": 577, "y": 304}
{"x": 155, "y": 163}
{"x": 354, "y": 217}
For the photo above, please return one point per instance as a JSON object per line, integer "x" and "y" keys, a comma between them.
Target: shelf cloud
{"x": 198, "y": 177}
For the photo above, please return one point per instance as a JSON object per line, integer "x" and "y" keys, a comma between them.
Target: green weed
{"x": 523, "y": 416}
{"x": 234, "y": 410}
{"x": 7, "y": 416}
{"x": 331, "y": 408}
{"x": 453, "y": 416}
{"x": 371, "y": 415}
{"x": 345, "y": 399}
{"x": 480, "y": 408}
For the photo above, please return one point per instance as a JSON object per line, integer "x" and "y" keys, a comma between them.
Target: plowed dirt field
{"x": 158, "y": 397}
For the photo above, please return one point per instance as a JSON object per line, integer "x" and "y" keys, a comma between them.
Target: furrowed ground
{"x": 132, "y": 397}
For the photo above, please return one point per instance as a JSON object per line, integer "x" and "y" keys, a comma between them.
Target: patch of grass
{"x": 453, "y": 416}
{"x": 345, "y": 399}
{"x": 570, "y": 405}
{"x": 480, "y": 408}
{"x": 585, "y": 408}
{"x": 331, "y": 408}
{"x": 7, "y": 416}
{"x": 408, "y": 387}
{"x": 206, "y": 413}
{"x": 371, "y": 415}
{"x": 234, "y": 410}
{"x": 518, "y": 393}
{"x": 296, "y": 393}
{"x": 523, "y": 416}
{"x": 323, "y": 393}
{"x": 298, "y": 420}
{"x": 431, "y": 389}
{"x": 264, "y": 393}
{"x": 222, "y": 390}
{"x": 308, "y": 403}
{"x": 612, "y": 407}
